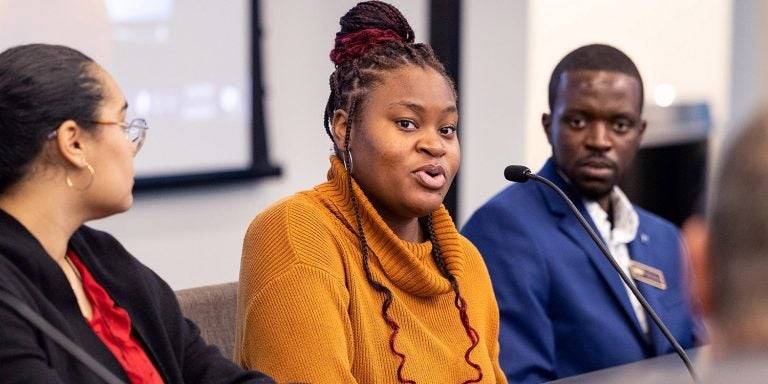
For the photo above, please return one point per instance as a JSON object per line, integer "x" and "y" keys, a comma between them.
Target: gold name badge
{"x": 647, "y": 274}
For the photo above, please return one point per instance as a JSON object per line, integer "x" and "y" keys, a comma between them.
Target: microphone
{"x": 517, "y": 173}
{"x": 521, "y": 174}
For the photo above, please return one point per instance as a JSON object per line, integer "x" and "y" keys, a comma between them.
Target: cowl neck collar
{"x": 407, "y": 265}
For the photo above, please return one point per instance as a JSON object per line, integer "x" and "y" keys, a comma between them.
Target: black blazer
{"x": 172, "y": 342}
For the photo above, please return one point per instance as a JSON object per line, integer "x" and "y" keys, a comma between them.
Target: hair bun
{"x": 369, "y": 24}
{"x": 355, "y": 44}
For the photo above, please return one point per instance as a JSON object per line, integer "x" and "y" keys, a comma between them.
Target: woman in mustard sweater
{"x": 364, "y": 279}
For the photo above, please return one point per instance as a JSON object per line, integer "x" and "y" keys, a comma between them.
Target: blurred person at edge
{"x": 729, "y": 252}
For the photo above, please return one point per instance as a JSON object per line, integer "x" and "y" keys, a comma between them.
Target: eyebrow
{"x": 418, "y": 108}
{"x": 620, "y": 114}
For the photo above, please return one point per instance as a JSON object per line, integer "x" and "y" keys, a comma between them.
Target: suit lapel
{"x": 570, "y": 225}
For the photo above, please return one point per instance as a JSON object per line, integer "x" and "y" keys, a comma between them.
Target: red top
{"x": 113, "y": 326}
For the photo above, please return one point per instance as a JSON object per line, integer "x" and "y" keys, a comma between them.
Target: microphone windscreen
{"x": 517, "y": 173}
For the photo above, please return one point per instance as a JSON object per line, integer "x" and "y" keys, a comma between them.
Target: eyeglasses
{"x": 135, "y": 130}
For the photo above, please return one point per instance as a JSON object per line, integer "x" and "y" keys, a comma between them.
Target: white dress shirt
{"x": 617, "y": 236}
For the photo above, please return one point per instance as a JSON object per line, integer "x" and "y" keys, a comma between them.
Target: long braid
{"x": 333, "y": 82}
{"x": 375, "y": 38}
{"x": 459, "y": 301}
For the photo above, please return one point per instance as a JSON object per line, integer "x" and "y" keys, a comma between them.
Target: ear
{"x": 643, "y": 125}
{"x": 339, "y": 128}
{"x": 546, "y": 122}
{"x": 696, "y": 237}
{"x": 70, "y": 141}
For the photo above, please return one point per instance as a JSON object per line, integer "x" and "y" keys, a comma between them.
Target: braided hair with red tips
{"x": 374, "y": 39}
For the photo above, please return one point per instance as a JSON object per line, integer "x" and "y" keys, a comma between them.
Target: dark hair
{"x": 41, "y": 86}
{"x": 375, "y": 38}
{"x": 739, "y": 223}
{"x": 593, "y": 57}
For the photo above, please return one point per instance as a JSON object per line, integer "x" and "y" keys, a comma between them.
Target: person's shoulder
{"x": 509, "y": 207}
{"x": 509, "y": 198}
{"x": 296, "y": 232}
{"x": 301, "y": 210}
{"x": 298, "y": 202}
{"x": 92, "y": 241}
{"x": 657, "y": 232}
{"x": 96, "y": 242}
{"x": 94, "y": 236}
{"x": 513, "y": 190}
{"x": 468, "y": 246}
{"x": 651, "y": 220}
{"x": 471, "y": 252}
{"x": 91, "y": 244}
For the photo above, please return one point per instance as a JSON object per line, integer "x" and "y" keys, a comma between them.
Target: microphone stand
{"x": 648, "y": 309}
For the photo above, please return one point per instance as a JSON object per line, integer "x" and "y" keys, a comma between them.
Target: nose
{"x": 599, "y": 137}
{"x": 432, "y": 144}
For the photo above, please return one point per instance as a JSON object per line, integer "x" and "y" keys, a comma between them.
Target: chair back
{"x": 213, "y": 308}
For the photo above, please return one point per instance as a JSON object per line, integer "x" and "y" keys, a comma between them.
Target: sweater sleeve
{"x": 293, "y": 321}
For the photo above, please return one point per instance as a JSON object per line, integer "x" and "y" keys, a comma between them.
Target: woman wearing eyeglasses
{"x": 66, "y": 157}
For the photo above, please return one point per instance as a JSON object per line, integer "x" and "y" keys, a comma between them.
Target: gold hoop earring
{"x": 90, "y": 182}
{"x": 347, "y": 160}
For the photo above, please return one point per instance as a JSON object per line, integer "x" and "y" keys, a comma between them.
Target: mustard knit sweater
{"x": 306, "y": 312}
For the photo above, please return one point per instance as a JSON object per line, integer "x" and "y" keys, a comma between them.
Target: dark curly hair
{"x": 41, "y": 86}
{"x": 375, "y": 39}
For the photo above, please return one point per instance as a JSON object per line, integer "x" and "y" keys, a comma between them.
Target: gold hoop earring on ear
{"x": 347, "y": 159}
{"x": 90, "y": 182}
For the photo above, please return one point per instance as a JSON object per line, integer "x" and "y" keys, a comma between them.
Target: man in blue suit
{"x": 564, "y": 310}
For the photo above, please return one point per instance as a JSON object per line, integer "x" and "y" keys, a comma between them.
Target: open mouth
{"x": 431, "y": 176}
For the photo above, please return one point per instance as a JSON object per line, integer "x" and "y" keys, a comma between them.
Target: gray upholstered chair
{"x": 212, "y": 308}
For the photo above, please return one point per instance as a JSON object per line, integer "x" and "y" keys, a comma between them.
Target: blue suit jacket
{"x": 564, "y": 309}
